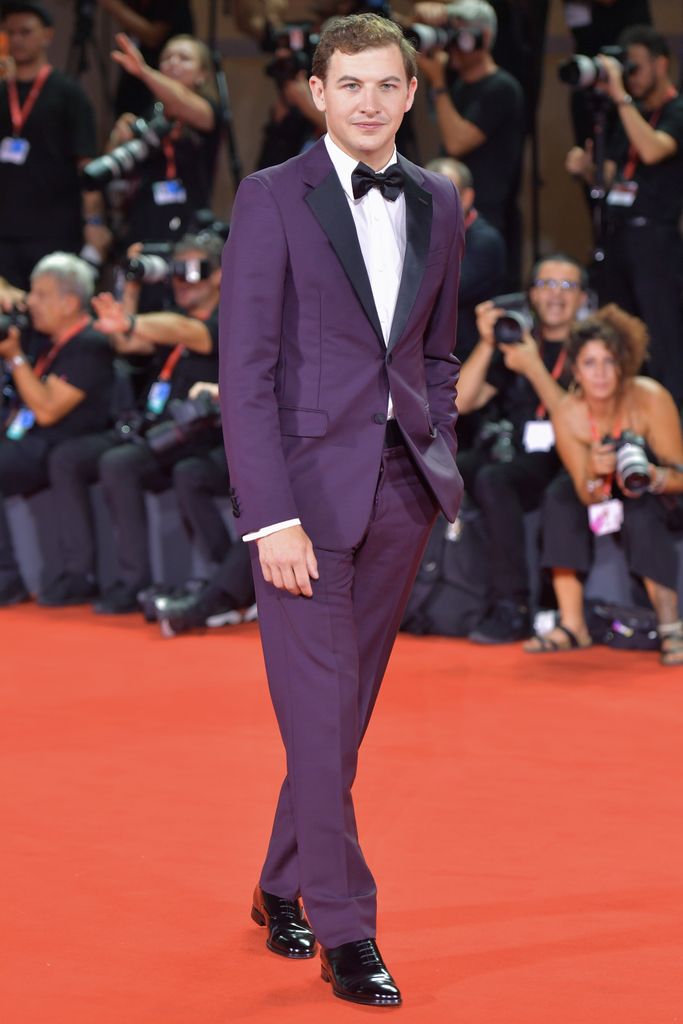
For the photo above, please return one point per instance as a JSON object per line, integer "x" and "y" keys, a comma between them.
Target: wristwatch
{"x": 17, "y": 360}
{"x": 625, "y": 101}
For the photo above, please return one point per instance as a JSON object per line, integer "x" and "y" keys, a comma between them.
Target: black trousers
{"x": 126, "y": 472}
{"x": 505, "y": 491}
{"x": 568, "y": 541}
{"x": 197, "y": 481}
{"x": 643, "y": 273}
{"x": 23, "y": 469}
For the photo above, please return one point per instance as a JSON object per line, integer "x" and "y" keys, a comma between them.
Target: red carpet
{"x": 522, "y": 815}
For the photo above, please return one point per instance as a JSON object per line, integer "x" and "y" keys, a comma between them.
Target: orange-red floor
{"x": 523, "y": 817}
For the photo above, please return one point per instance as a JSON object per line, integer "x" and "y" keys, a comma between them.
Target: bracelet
{"x": 594, "y": 484}
{"x": 131, "y": 326}
{"x": 659, "y": 482}
{"x": 440, "y": 90}
{"x": 95, "y": 220}
{"x": 625, "y": 101}
{"x": 18, "y": 360}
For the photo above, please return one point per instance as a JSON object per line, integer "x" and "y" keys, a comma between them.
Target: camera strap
{"x": 555, "y": 373}
{"x": 171, "y": 363}
{"x": 19, "y": 114}
{"x": 633, "y": 158}
{"x": 615, "y": 432}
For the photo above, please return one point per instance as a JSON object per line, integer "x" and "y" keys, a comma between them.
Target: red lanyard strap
{"x": 615, "y": 432}
{"x": 171, "y": 363}
{"x": 555, "y": 373}
{"x": 19, "y": 114}
{"x": 44, "y": 362}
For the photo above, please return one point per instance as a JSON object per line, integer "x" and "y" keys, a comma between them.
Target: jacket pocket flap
{"x": 303, "y": 422}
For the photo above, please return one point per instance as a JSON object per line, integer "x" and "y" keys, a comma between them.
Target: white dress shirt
{"x": 381, "y": 229}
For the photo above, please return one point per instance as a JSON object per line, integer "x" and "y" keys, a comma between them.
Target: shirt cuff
{"x": 267, "y": 530}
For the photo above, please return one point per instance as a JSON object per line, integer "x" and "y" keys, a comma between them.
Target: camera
{"x": 151, "y": 266}
{"x": 189, "y": 417}
{"x": 296, "y": 43}
{"x": 14, "y": 318}
{"x": 586, "y": 72}
{"x": 426, "y": 38}
{"x": 124, "y": 159}
{"x": 497, "y": 437}
{"x": 633, "y": 465}
{"x": 510, "y": 328}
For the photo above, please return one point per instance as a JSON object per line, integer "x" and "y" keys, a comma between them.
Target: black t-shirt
{"x": 482, "y": 275}
{"x": 495, "y": 105}
{"x": 131, "y": 94}
{"x": 41, "y": 199}
{"x": 86, "y": 362}
{"x": 195, "y": 157}
{"x": 190, "y": 368}
{"x": 660, "y": 186}
{"x": 517, "y": 400}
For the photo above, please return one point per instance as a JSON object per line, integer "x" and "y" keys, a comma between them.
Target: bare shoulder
{"x": 570, "y": 416}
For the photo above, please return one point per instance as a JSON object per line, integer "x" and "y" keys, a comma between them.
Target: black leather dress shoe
{"x": 289, "y": 933}
{"x": 357, "y": 972}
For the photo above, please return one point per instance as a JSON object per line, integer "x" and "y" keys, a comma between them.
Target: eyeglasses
{"x": 553, "y": 283}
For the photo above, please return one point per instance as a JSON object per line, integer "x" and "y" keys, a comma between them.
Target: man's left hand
{"x": 614, "y": 86}
{"x": 11, "y": 346}
{"x": 433, "y": 67}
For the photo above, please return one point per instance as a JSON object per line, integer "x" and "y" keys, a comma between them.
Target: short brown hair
{"x": 623, "y": 335}
{"x": 358, "y": 32}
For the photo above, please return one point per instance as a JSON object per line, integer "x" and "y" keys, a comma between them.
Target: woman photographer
{"x": 619, "y": 436}
{"x": 176, "y": 179}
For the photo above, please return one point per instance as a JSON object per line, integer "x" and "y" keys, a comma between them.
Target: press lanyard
{"x": 45, "y": 361}
{"x": 615, "y": 433}
{"x": 555, "y": 373}
{"x": 633, "y": 159}
{"x": 18, "y": 114}
{"x": 171, "y": 363}
{"x": 168, "y": 147}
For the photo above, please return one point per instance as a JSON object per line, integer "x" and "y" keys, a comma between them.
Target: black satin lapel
{"x": 418, "y": 234}
{"x": 331, "y": 209}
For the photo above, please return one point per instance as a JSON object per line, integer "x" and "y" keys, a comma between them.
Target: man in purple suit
{"x": 338, "y": 319}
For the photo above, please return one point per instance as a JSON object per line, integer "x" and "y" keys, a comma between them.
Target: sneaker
{"x": 194, "y": 611}
{"x": 506, "y": 623}
{"x": 13, "y": 592}
{"x": 68, "y": 589}
{"x": 119, "y": 599}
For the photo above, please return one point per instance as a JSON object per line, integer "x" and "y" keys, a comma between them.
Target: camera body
{"x": 189, "y": 417}
{"x": 583, "y": 72}
{"x": 517, "y": 318}
{"x": 126, "y": 158}
{"x": 14, "y": 318}
{"x": 633, "y": 465}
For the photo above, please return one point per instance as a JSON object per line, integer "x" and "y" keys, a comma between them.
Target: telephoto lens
{"x": 632, "y": 464}
{"x": 123, "y": 160}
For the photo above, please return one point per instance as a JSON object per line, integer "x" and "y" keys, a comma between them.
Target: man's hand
{"x": 11, "y": 296}
{"x": 287, "y": 560}
{"x": 523, "y": 357}
{"x": 580, "y": 162}
{"x": 111, "y": 317}
{"x": 11, "y": 346}
{"x": 614, "y": 86}
{"x": 203, "y": 385}
{"x": 433, "y": 67}
{"x": 430, "y": 12}
{"x": 487, "y": 314}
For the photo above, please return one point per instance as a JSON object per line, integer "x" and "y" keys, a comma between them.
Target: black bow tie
{"x": 390, "y": 182}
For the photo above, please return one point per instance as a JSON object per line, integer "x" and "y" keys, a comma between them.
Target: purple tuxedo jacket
{"x": 304, "y": 371}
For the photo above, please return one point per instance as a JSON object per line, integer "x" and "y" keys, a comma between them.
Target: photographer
{"x": 507, "y": 474}
{"x": 618, "y": 435}
{"x": 480, "y": 115}
{"x": 62, "y": 379}
{"x": 182, "y": 349}
{"x": 643, "y": 267}
{"x": 176, "y": 177}
{"x": 47, "y": 133}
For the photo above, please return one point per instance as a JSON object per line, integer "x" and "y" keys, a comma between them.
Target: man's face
{"x": 364, "y": 97}
{"x": 28, "y": 37}
{"x": 50, "y": 308}
{"x": 192, "y": 295}
{"x": 647, "y": 71}
{"x": 556, "y": 296}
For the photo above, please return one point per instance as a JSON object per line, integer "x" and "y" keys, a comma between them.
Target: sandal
{"x": 546, "y": 645}
{"x": 671, "y": 643}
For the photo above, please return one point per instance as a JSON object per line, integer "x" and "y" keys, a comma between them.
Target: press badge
{"x": 167, "y": 192}
{"x": 14, "y": 151}
{"x": 20, "y": 424}
{"x": 606, "y": 517}
{"x": 158, "y": 396}
{"x": 538, "y": 436}
{"x": 622, "y": 194}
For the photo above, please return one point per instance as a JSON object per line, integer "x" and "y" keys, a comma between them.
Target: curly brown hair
{"x": 624, "y": 336}
{"x": 357, "y": 32}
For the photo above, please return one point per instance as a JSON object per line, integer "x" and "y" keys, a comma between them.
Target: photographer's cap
{"x": 17, "y": 7}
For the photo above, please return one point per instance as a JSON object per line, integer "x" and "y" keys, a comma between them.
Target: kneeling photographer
{"x": 140, "y": 453}
{"x": 619, "y": 437}
{"x": 518, "y": 370}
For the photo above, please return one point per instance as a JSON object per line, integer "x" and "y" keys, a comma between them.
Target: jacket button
{"x": 380, "y": 417}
